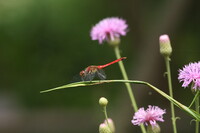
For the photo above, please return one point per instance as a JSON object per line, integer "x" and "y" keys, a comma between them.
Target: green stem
{"x": 106, "y": 117}
{"x": 167, "y": 59}
{"x": 128, "y": 85}
{"x": 194, "y": 99}
{"x": 197, "y": 110}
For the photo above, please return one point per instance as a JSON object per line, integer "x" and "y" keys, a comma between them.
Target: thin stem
{"x": 167, "y": 59}
{"x": 106, "y": 117}
{"x": 128, "y": 85}
{"x": 124, "y": 74}
{"x": 194, "y": 99}
{"x": 197, "y": 110}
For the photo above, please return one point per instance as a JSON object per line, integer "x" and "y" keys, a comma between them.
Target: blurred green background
{"x": 44, "y": 43}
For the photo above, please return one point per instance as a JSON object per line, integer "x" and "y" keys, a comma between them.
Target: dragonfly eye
{"x": 82, "y": 73}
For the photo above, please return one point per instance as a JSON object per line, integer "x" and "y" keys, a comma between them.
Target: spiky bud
{"x": 111, "y": 124}
{"x": 165, "y": 45}
{"x": 103, "y": 128}
{"x": 103, "y": 101}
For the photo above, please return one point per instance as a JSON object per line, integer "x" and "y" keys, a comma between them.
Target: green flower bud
{"x": 103, "y": 128}
{"x": 165, "y": 46}
{"x": 103, "y": 101}
{"x": 114, "y": 42}
{"x": 111, "y": 124}
{"x": 153, "y": 129}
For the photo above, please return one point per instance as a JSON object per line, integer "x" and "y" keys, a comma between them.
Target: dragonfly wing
{"x": 88, "y": 77}
{"x": 76, "y": 78}
{"x": 101, "y": 74}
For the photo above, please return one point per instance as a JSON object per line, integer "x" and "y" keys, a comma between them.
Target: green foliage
{"x": 88, "y": 83}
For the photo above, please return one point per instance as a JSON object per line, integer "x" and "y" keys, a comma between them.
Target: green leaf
{"x": 89, "y": 83}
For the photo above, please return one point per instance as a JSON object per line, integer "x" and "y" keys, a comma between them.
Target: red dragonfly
{"x": 91, "y": 72}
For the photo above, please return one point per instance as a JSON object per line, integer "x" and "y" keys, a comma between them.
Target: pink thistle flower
{"x": 109, "y": 29}
{"x": 150, "y": 116}
{"x": 190, "y": 73}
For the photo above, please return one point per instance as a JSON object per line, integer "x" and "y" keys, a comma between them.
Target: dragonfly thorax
{"x": 89, "y": 70}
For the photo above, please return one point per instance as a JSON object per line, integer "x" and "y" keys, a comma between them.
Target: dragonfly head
{"x": 82, "y": 73}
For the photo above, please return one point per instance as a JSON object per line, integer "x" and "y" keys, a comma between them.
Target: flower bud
{"x": 111, "y": 124}
{"x": 103, "y": 101}
{"x": 114, "y": 42}
{"x": 165, "y": 45}
{"x": 153, "y": 129}
{"x": 103, "y": 128}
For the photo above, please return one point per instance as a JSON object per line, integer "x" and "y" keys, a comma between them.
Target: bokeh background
{"x": 44, "y": 43}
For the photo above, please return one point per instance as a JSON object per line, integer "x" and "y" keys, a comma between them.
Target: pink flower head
{"x": 109, "y": 29}
{"x": 190, "y": 73}
{"x": 150, "y": 116}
